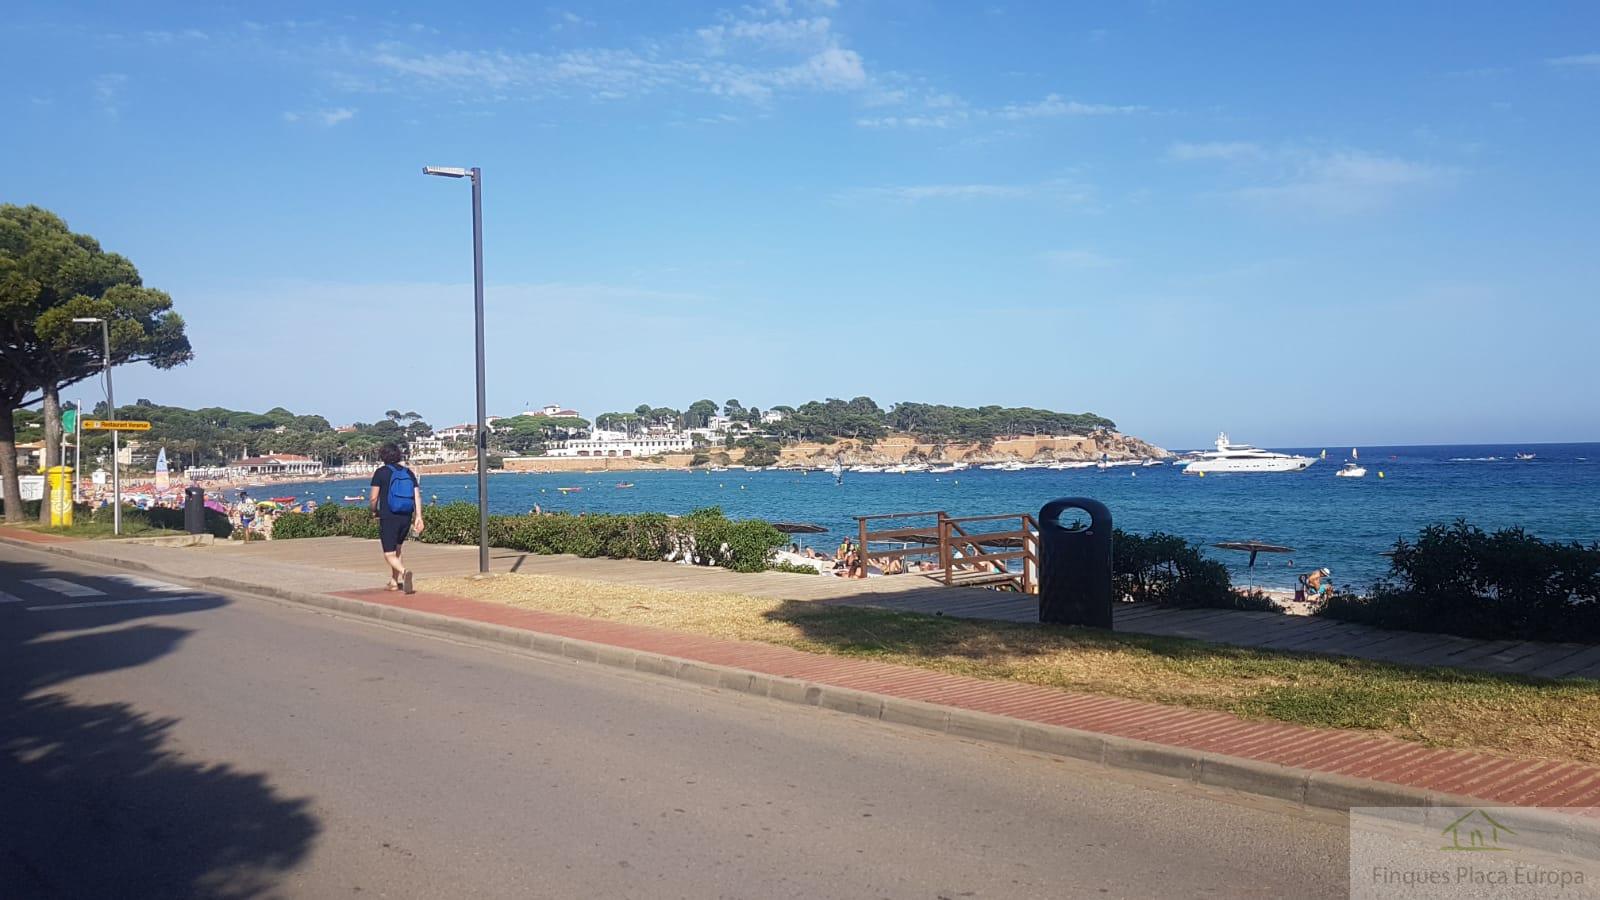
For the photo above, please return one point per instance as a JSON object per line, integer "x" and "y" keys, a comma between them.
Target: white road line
{"x": 150, "y": 584}
{"x": 63, "y": 586}
{"x": 7, "y": 598}
{"x": 108, "y": 603}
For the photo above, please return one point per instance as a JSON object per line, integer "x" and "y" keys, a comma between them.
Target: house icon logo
{"x": 1477, "y": 831}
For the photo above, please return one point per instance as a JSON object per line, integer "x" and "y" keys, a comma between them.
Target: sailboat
{"x": 1352, "y": 467}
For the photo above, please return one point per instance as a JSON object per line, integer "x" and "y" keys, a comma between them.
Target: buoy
{"x": 1380, "y": 474}
{"x": 1202, "y": 474}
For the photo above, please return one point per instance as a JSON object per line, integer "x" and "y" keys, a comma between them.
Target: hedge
{"x": 1508, "y": 585}
{"x": 705, "y": 536}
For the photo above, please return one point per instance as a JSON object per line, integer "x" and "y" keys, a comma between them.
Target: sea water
{"x": 1342, "y": 523}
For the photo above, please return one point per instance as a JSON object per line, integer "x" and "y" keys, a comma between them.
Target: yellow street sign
{"x": 114, "y": 425}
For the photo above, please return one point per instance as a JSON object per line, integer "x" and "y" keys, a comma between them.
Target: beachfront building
{"x": 274, "y": 465}
{"x": 461, "y": 432}
{"x": 620, "y": 444}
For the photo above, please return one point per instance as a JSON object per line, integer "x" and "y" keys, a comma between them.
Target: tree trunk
{"x": 8, "y": 464}
{"x": 52, "y": 445}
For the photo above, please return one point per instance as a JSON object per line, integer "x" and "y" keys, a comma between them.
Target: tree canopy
{"x": 50, "y": 276}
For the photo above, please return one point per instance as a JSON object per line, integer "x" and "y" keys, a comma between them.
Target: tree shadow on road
{"x": 97, "y": 799}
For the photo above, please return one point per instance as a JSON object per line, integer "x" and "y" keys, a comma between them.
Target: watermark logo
{"x": 1476, "y": 832}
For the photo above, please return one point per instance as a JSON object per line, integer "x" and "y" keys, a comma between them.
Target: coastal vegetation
{"x": 214, "y": 435}
{"x": 1434, "y": 706}
{"x": 1166, "y": 569}
{"x": 704, "y": 537}
{"x": 50, "y": 277}
{"x": 1505, "y": 585}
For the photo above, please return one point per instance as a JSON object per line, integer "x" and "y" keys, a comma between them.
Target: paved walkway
{"x": 1505, "y": 780}
{"x": 332, "y": 564}
{"x": 912, "y": 593}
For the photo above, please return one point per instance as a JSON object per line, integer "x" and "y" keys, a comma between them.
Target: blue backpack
{"x": 402, "y": 490}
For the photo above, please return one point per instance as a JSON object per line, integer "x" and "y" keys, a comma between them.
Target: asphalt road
{"x": 156, "y": 741}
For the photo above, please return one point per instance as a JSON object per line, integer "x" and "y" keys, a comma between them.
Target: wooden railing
{"x": 962, "y": 555}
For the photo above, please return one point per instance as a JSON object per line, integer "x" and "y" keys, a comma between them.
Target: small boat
{"x": 1352, "y": 467}
{"x": 352, "y": 499}
{"x": 569, "y": 490}
{"x": 1012, "y": 466}
{"x": 624, "y": 484}
{"x": 283, "y": 499}
{"x": 866, "y": 469}
{"x": 1525, "y": 456}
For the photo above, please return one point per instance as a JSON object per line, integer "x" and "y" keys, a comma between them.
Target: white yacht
{"x": 1231, "y": 457}
{"x": 1353, "y": 467}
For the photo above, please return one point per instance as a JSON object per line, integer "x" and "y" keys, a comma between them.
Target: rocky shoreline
{"x": 889, "y": 450}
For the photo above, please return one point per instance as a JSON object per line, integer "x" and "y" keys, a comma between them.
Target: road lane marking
{"x": 7, "y": 598}
{"x": 63, "y": 586}
{"x": 110, "y": 603}
{"x": 152, "y": 585}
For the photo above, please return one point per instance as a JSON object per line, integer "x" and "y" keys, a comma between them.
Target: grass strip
{"x": 1435, "y": 706}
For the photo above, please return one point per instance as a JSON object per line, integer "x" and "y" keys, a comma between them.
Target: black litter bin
{"x": 1075, "y": 565}
{"x": 194, "y": 509}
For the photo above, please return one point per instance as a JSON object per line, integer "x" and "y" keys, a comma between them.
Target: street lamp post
{"x": 116, "y": 436}
{"x": 482, "y": 433}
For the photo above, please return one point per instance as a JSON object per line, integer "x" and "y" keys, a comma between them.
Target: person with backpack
{"x": 396, "y": 500}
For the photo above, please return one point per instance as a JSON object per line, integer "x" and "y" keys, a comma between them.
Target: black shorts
{"x": 392, "y": 531}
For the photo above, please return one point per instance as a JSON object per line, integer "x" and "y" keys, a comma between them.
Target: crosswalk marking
{"x": 63, "y": 586}
{"x": 107, "y": 603}
{"x": 152, "y": 585}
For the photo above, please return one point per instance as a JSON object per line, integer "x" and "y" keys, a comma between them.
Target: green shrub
{"x": 1166, "y": 569}
{"x": 293, "y": 525}
{"x": 742, "y": 546}
{"x": 1508, "y": 585}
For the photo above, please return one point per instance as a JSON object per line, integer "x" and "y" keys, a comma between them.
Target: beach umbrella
{"x": 1253, "y": 548}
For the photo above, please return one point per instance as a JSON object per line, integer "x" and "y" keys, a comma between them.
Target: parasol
{"x": 799, "y": 528}
{"x": 1253, "y": 548}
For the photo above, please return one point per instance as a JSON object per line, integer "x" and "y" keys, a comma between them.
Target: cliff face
{"x": 888, "y": 451}
{"x": 906, "y": 448}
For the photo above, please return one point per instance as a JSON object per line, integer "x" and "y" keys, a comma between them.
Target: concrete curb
{"x": 1322, "y": 790}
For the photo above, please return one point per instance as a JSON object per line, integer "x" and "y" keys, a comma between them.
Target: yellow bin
{"x": 60, "y": 495}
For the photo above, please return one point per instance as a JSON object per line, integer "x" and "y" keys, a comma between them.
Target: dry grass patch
{"x": 1441, "y": 707}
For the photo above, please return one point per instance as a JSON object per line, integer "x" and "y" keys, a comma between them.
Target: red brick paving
{"x": 1482, "y": 775}
{"x": 33, "y": 537}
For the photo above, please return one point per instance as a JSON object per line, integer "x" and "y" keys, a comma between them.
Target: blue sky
{"x": 1334, "y": 223}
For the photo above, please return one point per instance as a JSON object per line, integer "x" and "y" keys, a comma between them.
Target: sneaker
{"x": 406, "y": 582}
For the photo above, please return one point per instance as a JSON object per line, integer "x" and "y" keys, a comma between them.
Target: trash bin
{"x": 194, "y": 509}
{"x": 1075, "y": 565}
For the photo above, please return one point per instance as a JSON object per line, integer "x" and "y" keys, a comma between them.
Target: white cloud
{"x": 1301, "y": 179}
{"x": 1345, "y": 183}
{"x": 1054, "y": 105}
{"x": 780, "y": 33}
{"x": 108, "y": 92}
{"x": 326, "y": 117}
{"x": 1228, "y": 150}
{"x": 944, "y": 110}
{"x": 949, "y": 192}
{"x": 1582, "y": 59}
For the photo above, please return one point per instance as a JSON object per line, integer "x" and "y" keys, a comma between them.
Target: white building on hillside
{"x": 618, "y": 444}
{"x": 274, "y": 464}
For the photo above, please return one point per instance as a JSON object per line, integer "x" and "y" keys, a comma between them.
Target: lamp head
{"x": 88, "y": 320}
{"x": 446, "y": 171}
